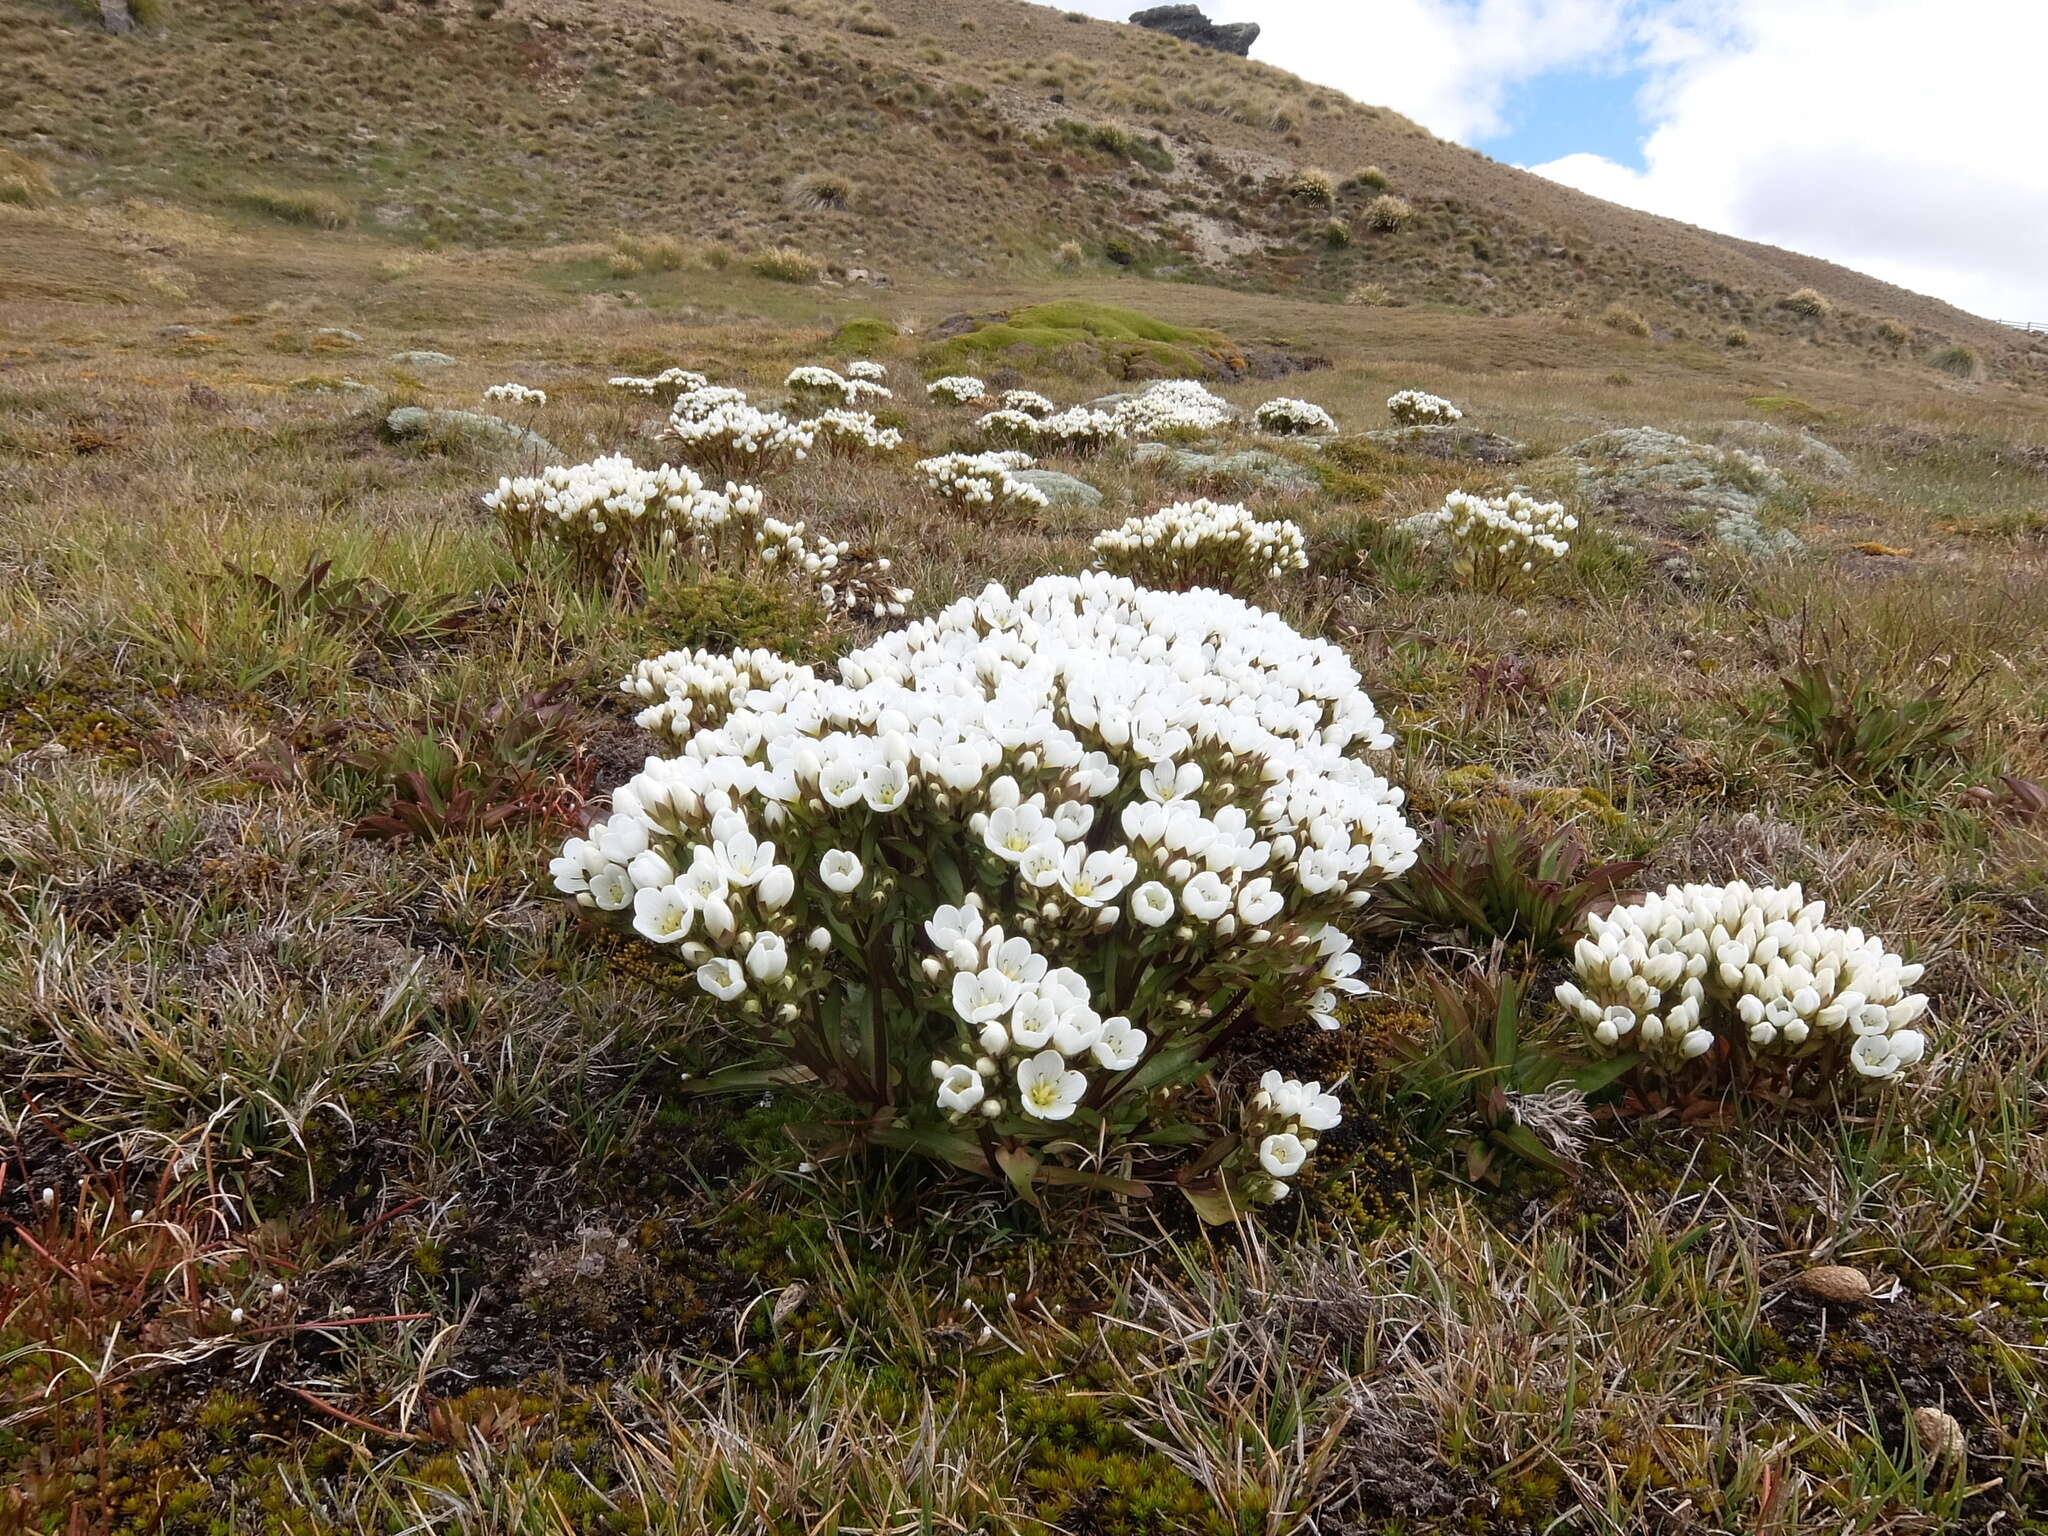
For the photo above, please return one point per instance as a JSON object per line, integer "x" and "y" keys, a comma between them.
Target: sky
{"x": 1905, "y": 138}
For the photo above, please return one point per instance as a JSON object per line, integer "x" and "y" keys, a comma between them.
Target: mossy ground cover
{"x": 378, "y": 1196}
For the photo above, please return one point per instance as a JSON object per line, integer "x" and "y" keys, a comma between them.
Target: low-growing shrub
{"x": 515, "y": 394}
{"x": 1336, "y": 234}
{"x": 1312, "y": 186}
{"x": 1630, "y": 322}
{"x": 1964, "y": 362}
{"x": 957, "y": 388}
{"x": 1897, "y": 332}
{"x": 725, "y": 436}
{"x": 1731, "y": 982}
{"x": 24, "y": 183}
{"x": 1497, "y": 542}
{"x": 1202, "y": 544}
{"x": 1874, "y": 726}
{"x": 1069, "y": 255}
{"x": 981, "y": 479}
{"x": 610, "y": 514}
{"x": 1172, "y": 408}
{"x": 821, "y": 191}
{"x": 787, "y": 264}
{"x": 979, "y": 904}
{"x": 296, "y": 205}
{"x": 1369, "y": 177}
{"x": 1810, "y": 302}
{"x": 478, "y": 768}
{"x": 1370, "y": 295}
{"x": 1293, "y": 418}
{"x": 1736, "y": 336}
{"x": 1387, "y": 213}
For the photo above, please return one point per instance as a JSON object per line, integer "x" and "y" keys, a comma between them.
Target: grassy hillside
{"x": 972, "y": 140}
{"x": 352, "y": 1180}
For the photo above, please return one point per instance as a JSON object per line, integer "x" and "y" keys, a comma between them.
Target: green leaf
{"x": 1211, "y": 1196}
{"x": 1020, "y": 1165}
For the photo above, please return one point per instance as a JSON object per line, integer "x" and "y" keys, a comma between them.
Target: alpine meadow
{"x": 925, "y": 766}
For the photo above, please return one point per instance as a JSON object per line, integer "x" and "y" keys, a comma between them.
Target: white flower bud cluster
{"x": 851, "y": 432}
{"x": 982, "y": 479}
{"x": 700, "y": 400}
{"x": 734, "y": 437}
{"x": 1029, "y": 401}
{"x": 1281, "y": 1125}
{"x": 867, "y": 372}
{"x": 610, "y": 509}
{"x": 1757, "y": 967}
{"x": 515, "y": 394}
{"x": 960, "y": 388}
{"x": 811, "y": 379}
{"x": 1293, "y": 418}
{"x": 680, "y": 379}
{"x": 1079, "y": 430}
{"x": 1202, "y": 544}
{"x": 845, "y": 581}
{"x": 1416, "y": 408}
{"x": 1173, "y": 407}
{"x": 1500, "y": 539}
{"x": 1008, "y": 426}
{"x": 1108, "y": 816}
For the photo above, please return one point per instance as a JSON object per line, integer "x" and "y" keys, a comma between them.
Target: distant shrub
{"x": 1619, "y": 317}
{"x": 1120, "y": 251}
{"x": 1069, "y": 254}
{"x": 1370, "y": 177}
{"x": 1737, "y": 336}
{"x": 821, "y": 191}
{"x": 1312, "y": 186}
{"x": 1960, "y": 360}
{"x": 292, "y": 205}
{"x": 1897, "y": 332}
{"x": 1387, "y": 213}
{"x": 787, "y": 264}
{"x": 652, "y": 253}
{"x": 1336, "y": 234}
{"x": 623, "y": 264}
{"x": 1371, "y": 295}
{"x": 1809, "y": 302}
{"x": 865, "y": 23}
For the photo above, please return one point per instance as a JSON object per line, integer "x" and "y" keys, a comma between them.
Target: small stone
{"x": 423, "y": 360}
{"x": 1060, "y": 490}
{"x": 1940, "y": 1435}
{"x": 1837, "y": 1283}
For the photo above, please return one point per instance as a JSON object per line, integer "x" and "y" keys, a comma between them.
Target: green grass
{"x": 1120, "y": 338}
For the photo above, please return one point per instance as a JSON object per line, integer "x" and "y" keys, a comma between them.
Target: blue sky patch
{"x": 1572, "y": 111}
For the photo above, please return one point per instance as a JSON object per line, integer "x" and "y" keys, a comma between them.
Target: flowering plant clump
{"x": 1008, "y": 426}
{"x": 609, "y": 512}
{"x": 1293, "y": 417}
{"x": 1499, "y": 541}
{"x": 1173, "y": 407}
{"x": 960, "y": 388}
{"x": 675, "y": 378}
{"x": 858, "y": 390}
{"x": 1723, "y": 975}
{"x": 1014, "y": 876}
{"x": 1414, "y": 408}
{"x": 866, "y": 371}
{"x": 813, "y": 379}
{"x": 852, "y": 432}
{"x": 847, "y": 581}
{"x": 982, "y": 479}
{"x": 699, "y": 400}
{"x": 1202, "y": 543}
{"x": 515, "y": 394}
{"x": 1029, "y": 401}
{"x": 735, "y": 438}
{"x": 1078, "y": 430}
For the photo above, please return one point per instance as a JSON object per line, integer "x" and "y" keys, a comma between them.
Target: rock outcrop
{"x": 1187, "y": 23}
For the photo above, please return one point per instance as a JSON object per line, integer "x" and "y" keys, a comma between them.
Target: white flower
{"x": 662, "y": 914}
{"x": 1202, "y": 543}
{"x": 1121, "y": 1045}
{"x": 1048, "y": 1088}
{"x": 516, "y": 394}
{"x": 1412, "y": 408}
{"x": 1290, "y": 417}
{"x": 767, "y": 957}
{"x": 961, "y": 1089}
{"x": 979, "y": 996}
{"x": 1206, "y": 896}
{"x": 722, "y": 978}
{"x": 1282, "y": 1154}
{"x": 775, "y": 888}
{"x": 1152, "y": 904}
{"x": 840, "y": 870}
{"x": 960, "y": 388}
{"x": 611, "y": 889}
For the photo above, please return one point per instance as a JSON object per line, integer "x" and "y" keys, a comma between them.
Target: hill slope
{"x": 965, "y": 139}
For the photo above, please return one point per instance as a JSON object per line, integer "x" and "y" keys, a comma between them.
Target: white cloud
{"x": 1901, "y": 137}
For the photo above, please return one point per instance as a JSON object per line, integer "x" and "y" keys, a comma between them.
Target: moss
{"x": 1128, "y": 343}
{"x": 725, "y": 613}
{"x": 861, "y": 338}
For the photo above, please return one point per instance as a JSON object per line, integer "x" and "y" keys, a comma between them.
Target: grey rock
{"x": 341, "y": 333}
{"x": 1250, "y": 468}
{"x": 417, "y": 423}
{"x": 423, "y": 360}
{"x": 116, "y": 17}
{"x": 1788, "y": 448}
{"x": 1060, "y": 490}
{"x": 1675, "y": 488}
{"x": 1187, "y": 23}
{"x": 1451, "y": 443}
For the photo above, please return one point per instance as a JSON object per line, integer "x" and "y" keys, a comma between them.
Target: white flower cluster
{"x": 734, "y": 437}
{"x": 867, "y": 372}
{"x": 1417, "y": 408}
{"x": 960, "y": 388}
{"x": 1079, "y": 430}
{"x": 1756, "y": 967}
{"x": 610, "y": 509}
{"x": 1291, "y": 417}
{"x": 1008, "y": 426}
{"x": 1499, "y": 540}
{"x": 982, "y": 479}
{"x": 816, "y": 380}
{"x": 1115, "y": 821}
{"x": 852, "y": 432}
{"x": 846, "y": 581}
{"x": 1173, "y": 407}
{"x": 1281, "y": 1125}
{"x": 1202, "y": 543}
{"x": 699, "y": 400}
{"x": 516, "y": 394}
{"x": 668, "y": 378}
{"x": 1029, "y": 401}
